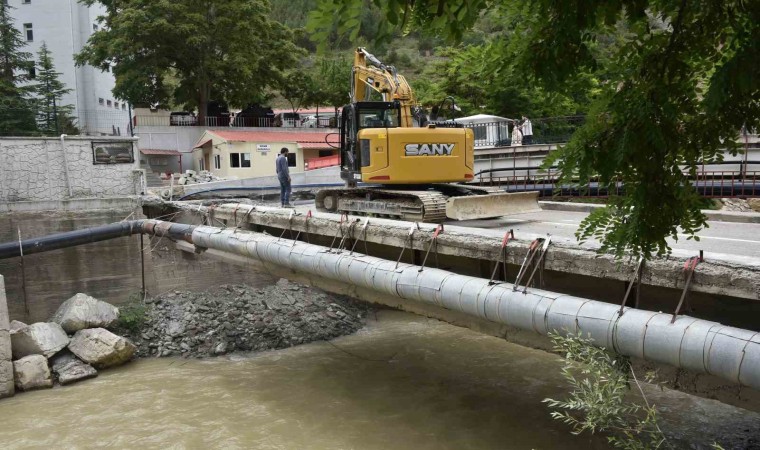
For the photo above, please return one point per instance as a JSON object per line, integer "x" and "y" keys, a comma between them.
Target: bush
{"x": 133, "y": 315}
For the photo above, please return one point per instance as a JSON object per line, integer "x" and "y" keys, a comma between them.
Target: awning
{"x": 203, "y": 143}
{"x": 155, "y": 151}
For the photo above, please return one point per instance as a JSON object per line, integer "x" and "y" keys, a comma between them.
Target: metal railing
{"x": 30, "y": 122}
{"x": 319, "y": 163}
{"x": 164, "y": 120}
{"x": 547, "y": 130}
{"x": 709, "y": 183}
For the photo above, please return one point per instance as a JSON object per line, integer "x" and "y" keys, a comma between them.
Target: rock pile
{"x": 41, "y": 346}
{"x": 242, "y": 318}
{"x": 193, "y": 177}
{"x": 736, "y": 205}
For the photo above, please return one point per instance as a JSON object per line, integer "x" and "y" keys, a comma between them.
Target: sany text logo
{"x": 428, "y": 149}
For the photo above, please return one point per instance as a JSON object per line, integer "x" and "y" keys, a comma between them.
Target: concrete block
{"x": 7, "y": 386}
{"x": 32, "y": 372}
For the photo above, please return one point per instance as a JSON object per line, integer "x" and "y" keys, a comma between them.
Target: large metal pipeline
{"x": 698, "y": 345}
{"x": 95, "y": 234}
{"x": 694, "y": 344}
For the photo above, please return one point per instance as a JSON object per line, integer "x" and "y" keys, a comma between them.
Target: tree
{"x": 16, "y": 112}
{"x": 679, "y": 83}
{"x": 222, "y": 50}
{"x": 332, "y": 80}
{"x": 53, "y": 117}
{"x": 297, "y": 88}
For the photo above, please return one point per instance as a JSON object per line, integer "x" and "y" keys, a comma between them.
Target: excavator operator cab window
{"x": 378, "y": 115}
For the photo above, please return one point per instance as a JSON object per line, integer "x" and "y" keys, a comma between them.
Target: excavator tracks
{"x": 436, "y": 204}
{"x": 415, "y": 206}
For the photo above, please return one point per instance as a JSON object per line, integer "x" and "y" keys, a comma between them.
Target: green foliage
{"x": 16, "y": 109}
{"x": 598, "y": 401}
{"x": 225, "y": 50}
{"x": 297, "y": 88}
{"x": 53, "y": 117}
{"x": 670, "y": 83}
{"x": 133, "y": 315}
{"x": 332, "y": 81}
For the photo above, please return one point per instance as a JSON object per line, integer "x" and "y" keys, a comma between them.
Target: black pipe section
{"x": 174, "y": 231}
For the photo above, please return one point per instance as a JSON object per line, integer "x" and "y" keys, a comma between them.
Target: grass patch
{"x": 133, "y": 315}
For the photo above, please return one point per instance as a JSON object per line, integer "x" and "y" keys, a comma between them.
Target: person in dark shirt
{"x": 283, "y": 175}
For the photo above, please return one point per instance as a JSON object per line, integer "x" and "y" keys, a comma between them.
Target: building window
{"x": 238, "y": 160}
{"x": 27, "y": 2}
{"x": 32, "y": 72}
{"x": 116, "y": 105}
{"x": 101, "y": 102}
{"x": 108, "y": 103}
{"x": 124, "y": 106}
{"x": 28, "y": 32}
{"x": 94, "y": 27}
{"x": 217, "y": 161}
{"x": 201, "y": 165}
{"x": 291, "y": 159}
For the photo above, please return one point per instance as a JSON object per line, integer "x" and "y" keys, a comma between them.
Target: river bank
{"x": 232, "y": 318}
{"x": 402, "y": 381}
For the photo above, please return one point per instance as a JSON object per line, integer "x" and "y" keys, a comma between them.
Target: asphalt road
{"x": 727, "y": 238}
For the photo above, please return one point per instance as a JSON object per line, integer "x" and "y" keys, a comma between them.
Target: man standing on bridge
{"x": 283, "y": 174}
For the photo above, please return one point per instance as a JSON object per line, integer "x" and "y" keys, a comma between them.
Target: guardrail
{"x": 319, "y": 163}
{"x": 709, "y": 183}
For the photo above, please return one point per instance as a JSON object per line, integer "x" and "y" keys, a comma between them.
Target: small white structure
{"x": 490, "y": 131}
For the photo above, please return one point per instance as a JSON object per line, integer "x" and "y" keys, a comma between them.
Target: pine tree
{"x": 52, "y": 116}
{"x": 16, "y": 111}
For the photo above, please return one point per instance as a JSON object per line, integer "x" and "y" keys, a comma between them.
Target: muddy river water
{"x": 403, "y": 382}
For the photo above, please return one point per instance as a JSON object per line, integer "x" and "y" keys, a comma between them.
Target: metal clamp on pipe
{"x": 507, "y": 236}
{"x": 433, "y": 243}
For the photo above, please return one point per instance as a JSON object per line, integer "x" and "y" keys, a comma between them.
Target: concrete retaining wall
{"x": 108, "y": 270}
{"x": 36, "y": 169}
{"x": 6, "y": 366}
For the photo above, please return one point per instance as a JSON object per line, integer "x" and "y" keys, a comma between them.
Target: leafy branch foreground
{"x": 599, "y": 400}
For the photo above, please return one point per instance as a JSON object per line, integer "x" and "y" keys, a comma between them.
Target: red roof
{"x": 303, "y": 138}
{"x": 155, "y": 151}
{"x": 319, "y": 145}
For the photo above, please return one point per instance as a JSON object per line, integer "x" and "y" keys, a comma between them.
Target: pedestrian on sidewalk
{"x": 527, "y": 131}
{"x": 283, "y": 175}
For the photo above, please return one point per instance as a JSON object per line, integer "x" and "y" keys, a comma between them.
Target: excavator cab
{"x": 354, "y": 118}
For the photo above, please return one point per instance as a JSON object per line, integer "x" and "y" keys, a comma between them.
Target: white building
{"x": 490, "y": 131}
{"x": 65, "y": 26}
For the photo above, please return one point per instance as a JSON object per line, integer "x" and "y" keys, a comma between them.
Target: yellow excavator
{"x": 410, "y": 168}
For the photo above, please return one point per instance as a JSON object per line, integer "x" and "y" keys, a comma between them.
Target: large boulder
{"x": 101, "y": 348}
{"x": 41, "y": 338}
{"x": 17, "y": 326}
{"x": 32, "y": 372}
{"x": 68, "y": 368}
{"x": 82, "y": 311}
